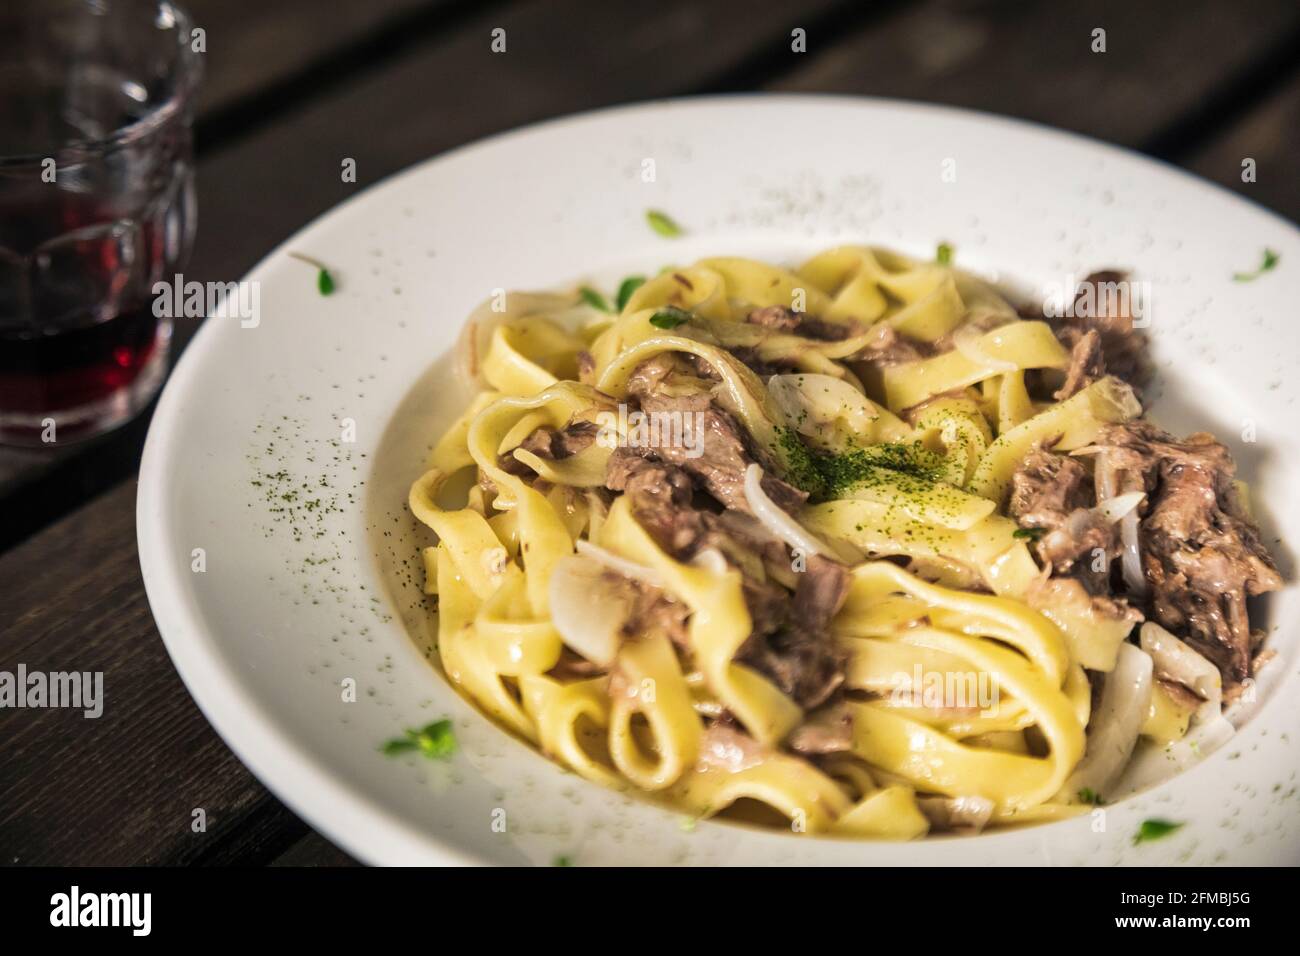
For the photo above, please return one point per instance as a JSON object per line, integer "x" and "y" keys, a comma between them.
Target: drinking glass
{"x": 96, "y": 206}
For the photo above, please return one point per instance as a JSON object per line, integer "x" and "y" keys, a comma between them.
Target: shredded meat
{"x": 553, "y": 444}
{"x": 1047, "y": 487}
{"x": 1054, "y": 493}
{"x": 956, "y": 814}
{"x": 1201, "y": 552}
{"x": 655, "y": 612}
{"x": 788, "y": 642}
{"x": 800, "y": 657}
{"x": 573, "y": 666}
{"x": 1099, "y": 307}
{"x": 828, "y": 731}
{"x": 1087, "y": 365}
{"x": 718, "y": 453}
{"x": 1186, "y": 697}
{"x": 763, "y": 369}
{"x": 782, "y": 319}
{"x": 745, "y": 542}
{"x": 886, "y": 347}
{"x": 723, "y": 746}
{"x": 660, "y": 496}
{"x": 775, "y": 317}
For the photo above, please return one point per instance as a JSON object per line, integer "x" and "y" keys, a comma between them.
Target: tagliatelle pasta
{"x": 781, "y": 544}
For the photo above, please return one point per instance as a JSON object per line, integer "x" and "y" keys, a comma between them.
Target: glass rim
{"x": 188, "y": 69}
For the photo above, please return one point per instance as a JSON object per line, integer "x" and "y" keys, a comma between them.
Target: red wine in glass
{"x": 96, "y": 207}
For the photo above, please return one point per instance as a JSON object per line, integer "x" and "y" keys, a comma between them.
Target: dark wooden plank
{"x": 122, "y": 788}
{"x": 314, "y": 850}
{"x": 457, "y": 90}
{"x": 1270, "y": 135}
{"x": 253, "y": 45}
{"x": 152, "y": 756}
{"x": 1033, "y": 59}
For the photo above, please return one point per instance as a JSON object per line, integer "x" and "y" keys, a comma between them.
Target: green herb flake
{"x": 1029, "y": 534}
{"x": 669, "y": 317}
{"x": 663, "y": 224}
{"x": 1088, "y": 795}
{"x": 626, "y": 288}
{"x": 825, "y": 475}
{"x": 437, "y": 741}
{"x": 562, "y": 861}
{"x": 1154, "y": 830}
{"x": 1271, "y": 259}
{"x": 594, "y": 299}
{"x": 943, "y": 255}
{"x": 324, "y": 279}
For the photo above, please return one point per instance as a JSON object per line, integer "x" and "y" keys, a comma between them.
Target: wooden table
{"x": 293, "y": 85}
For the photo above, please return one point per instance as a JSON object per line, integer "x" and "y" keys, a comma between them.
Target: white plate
{"x": 290, "y": 606}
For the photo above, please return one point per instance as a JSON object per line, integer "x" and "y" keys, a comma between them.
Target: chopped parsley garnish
{"x": 801, "y": 466}
{"x": 594, "y": 299}
{"x": 437, "y": 741}
{"x": 662, "y": 223}
{"x": 1154, "y": 830}
{"x": 943, "y": 255}
{"x": 1271, "y": 259}
{"x": 1089, "y": 795}
{"x": 826, "y": 475}
{"x": 669, "y": 317}
{"x": 626, "y": 288}
{"x": 562, "y": 861}
{"x": 1029, "y": 534}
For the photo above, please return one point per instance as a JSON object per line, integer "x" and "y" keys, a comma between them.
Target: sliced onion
{"x": 588, "y": 608}
{"x": 1123, "y": 508}
{"x": 1125, "y": 704}
{"x": 1104, "y": 476}
{"x": 1131, "y": 559}
{"x": 711, "y": 560}
{"x": 615, "y": 562}
{"x": 1267, "y": 672}
{"x": 1115, "y": 509}
{"x": 1178, "y": 662}
{"x": 810, "y": 402}
{"x": 774, "y": 519}
{"x": 966, "y": 341}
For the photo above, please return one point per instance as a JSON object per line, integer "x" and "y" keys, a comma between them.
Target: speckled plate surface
{"x": 311, "y": 574}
